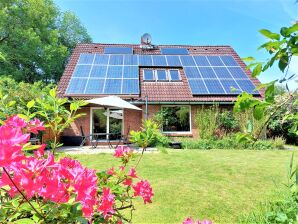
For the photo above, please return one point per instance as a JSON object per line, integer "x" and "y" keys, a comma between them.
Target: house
{"x": 178, "y": 78}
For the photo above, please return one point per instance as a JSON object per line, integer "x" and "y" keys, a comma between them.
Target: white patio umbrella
{"x": 113, "y": 101}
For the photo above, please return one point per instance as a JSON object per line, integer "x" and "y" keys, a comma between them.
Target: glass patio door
{"x": 107, "y": 121}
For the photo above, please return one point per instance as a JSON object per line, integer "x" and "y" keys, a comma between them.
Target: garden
{"x": 241, "y": 168}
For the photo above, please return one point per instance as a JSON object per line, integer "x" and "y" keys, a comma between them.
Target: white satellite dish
{"x": 146, "y": 38}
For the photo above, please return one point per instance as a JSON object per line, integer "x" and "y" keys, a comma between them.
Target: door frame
{"x": 108, "y": 118}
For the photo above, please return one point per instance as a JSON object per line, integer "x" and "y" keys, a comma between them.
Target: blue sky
{"x": 200, "y": 22}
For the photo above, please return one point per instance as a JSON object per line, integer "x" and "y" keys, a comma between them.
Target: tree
{"x": 282, "y": 47}
{"x": 35, "y": 41}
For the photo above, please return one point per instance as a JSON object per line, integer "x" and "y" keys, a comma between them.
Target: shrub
{"x": 279, "y": 142}
{"x": 38, "y": 189}
{"x": 228, "y": 122}
{"x": 206, "y": 121}
{"x": 228, "y": 142}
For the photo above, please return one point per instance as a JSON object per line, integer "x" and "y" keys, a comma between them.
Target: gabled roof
{"x": 156, "y": 91}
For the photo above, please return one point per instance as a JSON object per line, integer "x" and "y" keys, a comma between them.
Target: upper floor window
{"x": 162, "y": 75}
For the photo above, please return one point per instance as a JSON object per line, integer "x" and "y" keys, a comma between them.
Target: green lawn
{"x": 216, "y": 184}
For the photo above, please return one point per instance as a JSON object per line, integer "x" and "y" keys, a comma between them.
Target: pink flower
{"x": 106, "y": 203}
{"x": 16, "y": 122}
{"x": 40, "y": 151}
{"x": 127, "y": 182}
{"x": 144, "y": 190}
{"x": 189, "y": 220}
{"x": 12, "y": 136}
{"x": 111, "y": 171}
{"x": 122, "y": 151}
{"x": 132, "y": 173}
{"x": 35, "y": 125}
{"x": 121, "y": 168}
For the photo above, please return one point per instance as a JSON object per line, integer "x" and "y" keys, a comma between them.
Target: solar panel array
{"x": 119, "y": 73}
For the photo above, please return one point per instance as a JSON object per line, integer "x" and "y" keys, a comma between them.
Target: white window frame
{"x": 190, "y": 120}
{"x": 108, "y": 119}
{"x": 168, "y": 75}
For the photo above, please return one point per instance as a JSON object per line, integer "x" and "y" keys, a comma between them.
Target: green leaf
{"x": 248, "y": 59}
{"x": 24, "y": 221}
{"x": 53, "y": 92}
{"x": 30, "y": 104}
{"x": 257, "y": 70}
{"x": 258, "y": 112}
{"x": 283, "y": 62}
{"x": 269, "y": 34}
{"x": 291, "y": 29}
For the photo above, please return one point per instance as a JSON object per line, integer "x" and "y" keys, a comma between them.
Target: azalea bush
{"x": 37, "y": 188}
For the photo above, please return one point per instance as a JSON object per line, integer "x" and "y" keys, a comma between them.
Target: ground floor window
{"x": 106, "y": 120}
{"x": 175, "y": 118}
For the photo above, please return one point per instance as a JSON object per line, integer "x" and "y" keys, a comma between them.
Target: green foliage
{"x": 228, "y": 121}
{"x": 282, "y": 47}
{"x": 36, "y": 39}
{"x": 280, "y": 211}
{"x": 227, "y": 143}
{"x": 206, "y": 121}
{"x": 149, "y": 136}
{"x": 57, "y": 113}
{"x": 15, "y": 97}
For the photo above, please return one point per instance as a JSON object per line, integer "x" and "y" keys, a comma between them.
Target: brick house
{"x": 178, "y": 79}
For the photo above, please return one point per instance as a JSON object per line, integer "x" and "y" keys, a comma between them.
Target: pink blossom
{"x": 106, "y": 203}
{"x": 132, "y": 173}
{"x": 190, "y": 220}
{"x": 127, "y": 182}
{"x": 111, "y": 171}
{"x": 143, "y": 189}
{"x": 35, "y": 125}
{"x": 40, "y": 151}
{"x": 10, "y": 136}
{"x": 16, "y": 122}
{"x": 122, "y": 151}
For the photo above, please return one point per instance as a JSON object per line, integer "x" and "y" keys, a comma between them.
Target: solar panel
{"x": 145, "y": 60}
{"x": 237, "y": 73}
{"x": 197, "y": 86}
{"x": 116, "y": 60}
{"x": 222, "y": 72}
{"x": 101, "y": 59}
{"x": 187, "y": 61}
{"x": 131, "y": 72}
{"x": 130, "y": 59}
{"x": 82, "y": 71}
{"x": 247, "y": 86}
{"x": 94, "y": 86}
{"x": 192, "y": 72}
{"x": 228, "y": 60}
{"x": 98, "y": 71}
{"x": 159, "y": 60}
{"x": 86, "y": 59}
{"x": 229, "y": 85}
{"x": 114, "y": 72}
{"x": 112, "y": 86}
{"x": 118, "y": 50}
{"x": 215, "y": 61}
{"x": 214, "y": 86}
{"x": 161, "y": 75}
{"x": 118, "y": 73}
{"x": 201, "y": 60}
{"x": 149, "y": 75}
{"x": 207, "y": 72}
{"x": 76, "y": 86}
{"x": 174, "y": 74}
{"x": 173, "y": 60}
{"x": 177, "y": 51}
{"x": 130, "y": 86}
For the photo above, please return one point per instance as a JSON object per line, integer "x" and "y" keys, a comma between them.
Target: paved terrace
{"x": 98, "y": 149}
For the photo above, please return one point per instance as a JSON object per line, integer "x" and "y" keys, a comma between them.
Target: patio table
{"x": 95, "y": 139}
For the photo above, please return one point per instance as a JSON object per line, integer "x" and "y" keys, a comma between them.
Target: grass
{"x": 221, "y": 185}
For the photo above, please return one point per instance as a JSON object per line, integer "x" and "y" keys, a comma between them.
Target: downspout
{"x": 146, "y": 110}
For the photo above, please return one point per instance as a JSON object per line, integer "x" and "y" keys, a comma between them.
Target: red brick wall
{"x": 83, "y": 121}
{"x": 132, "y": 120}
